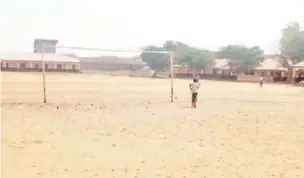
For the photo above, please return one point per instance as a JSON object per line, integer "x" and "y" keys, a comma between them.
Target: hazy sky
{"x": 131, "y": 24}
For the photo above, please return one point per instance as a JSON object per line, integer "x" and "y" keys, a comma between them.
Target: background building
{"x": 33, "y": 62}
{"x": 27, "y": 61}
{"x": 272, "y": 70}
{"x": 111, "y": 63}
{"x": 298, "y": 72}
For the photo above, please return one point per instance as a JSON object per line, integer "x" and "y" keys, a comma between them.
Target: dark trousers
{"x": 194, "y": 97}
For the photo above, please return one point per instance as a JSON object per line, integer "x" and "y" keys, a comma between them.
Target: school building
{"x": 219, "y": 67}
{"x": 111, "y": 63}
{"x": 272, "y": 70}
{"x": 33, "y": 62}
{"x": 298, "y": 72}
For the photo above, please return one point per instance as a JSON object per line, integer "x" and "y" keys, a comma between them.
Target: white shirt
{"x": 261, "y": 78}
{"x": 194, "y": 86}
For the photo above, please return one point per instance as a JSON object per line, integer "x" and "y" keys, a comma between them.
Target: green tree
{"x": 242, "y": 58}
{"x": 183, "y": 53}
{"x": 291, "y": 47}
{"x": 193, "y": 57}
{"x": 288, "y": 35}
{"x": 198, "y": 59}
{"x": 156, "y": 61}
{"x": 179, "y": 49}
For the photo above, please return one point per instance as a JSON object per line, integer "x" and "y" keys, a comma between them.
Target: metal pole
{"x": 43, "y": 74}
{"x": 171, "y": 73}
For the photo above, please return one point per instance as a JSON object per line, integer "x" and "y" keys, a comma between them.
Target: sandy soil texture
{"x": 107, "y": 126}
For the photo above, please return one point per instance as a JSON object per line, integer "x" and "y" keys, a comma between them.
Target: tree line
{"x": 241, "y": 57}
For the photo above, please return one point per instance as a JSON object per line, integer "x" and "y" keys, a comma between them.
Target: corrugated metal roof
{"x": 24, "y": 56}
{"x": 221, "y": 63}
{"x": 300, "y": 64}
{"x": 271, "y": 64}
{"x": 180, "y": 65}
{"x": 113, "y": 60}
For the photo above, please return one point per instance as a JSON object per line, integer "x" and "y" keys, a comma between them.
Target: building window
{"x": 7, "y": 65}
{"x": 59, "y": 66}
{"x": 74, "y": 66}
{"x": 22, "y": 65}
{"x": 46, "y": 66}
{"x": 36, "y": 66}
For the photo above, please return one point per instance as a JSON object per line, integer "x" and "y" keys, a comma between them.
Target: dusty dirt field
{"x": 103, "y": 126}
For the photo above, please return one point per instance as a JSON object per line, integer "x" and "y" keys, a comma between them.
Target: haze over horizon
{"x": 136, "y": 23}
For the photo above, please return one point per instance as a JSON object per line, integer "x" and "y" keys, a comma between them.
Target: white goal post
{"x": 107, "y": 50}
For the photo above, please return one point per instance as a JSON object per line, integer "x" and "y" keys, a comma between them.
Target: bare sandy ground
{"x": 107, "y": 126}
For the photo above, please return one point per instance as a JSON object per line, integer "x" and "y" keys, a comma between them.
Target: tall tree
{"x": 288, "y": 35}
{"x": 198, "y": 59}
{"x": 242, "y": 58}
{"x": 291, "y": 47}
{"x": 156, "y": 61}
{"x": 183, "y": 53}
{"x": 194, "y": 57}
{"x": 179, "y": 49}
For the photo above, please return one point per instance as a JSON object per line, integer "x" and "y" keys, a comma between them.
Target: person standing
{"x": 194, "y": 87}
{"x": 261, "y": 81}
